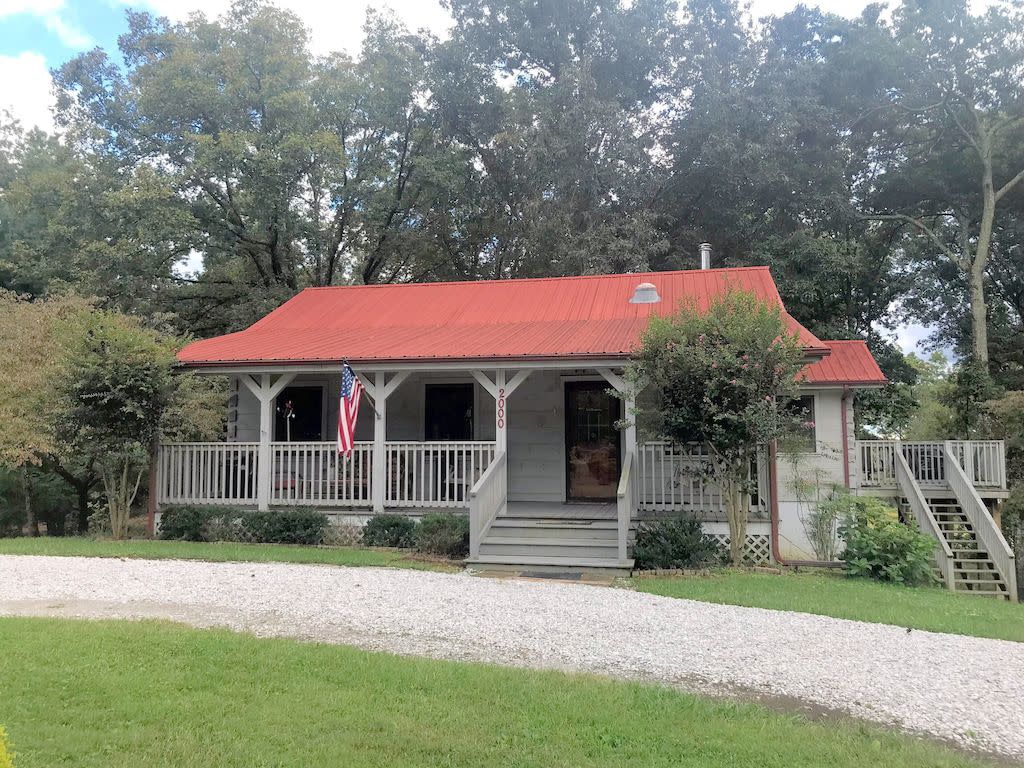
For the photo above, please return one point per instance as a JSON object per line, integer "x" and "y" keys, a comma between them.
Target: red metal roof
{"x": 528, "y": 319}
{"x": 848, "y": 362}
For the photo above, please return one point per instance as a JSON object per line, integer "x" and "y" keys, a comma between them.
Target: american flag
{"x": 348, "y": 409}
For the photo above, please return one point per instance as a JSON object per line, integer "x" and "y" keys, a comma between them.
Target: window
{"x": 298, "y": 414}
{"x": 805, "y": 437}
{"x": 448, "y": 412}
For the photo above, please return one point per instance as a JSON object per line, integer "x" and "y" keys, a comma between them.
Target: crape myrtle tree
{"x": 723, "y": 378}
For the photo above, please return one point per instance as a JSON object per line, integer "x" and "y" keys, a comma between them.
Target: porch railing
{"x": 207, "y": 473}
{"x": 436, "y": 474}
{"x": 487, "y": 500}
{"x": 315, "y": 474}
{"x": 427, "y": 474}
{"x": 626, "y": 503}
{"x": 670, "y": 477}
{"x": 983, "y": 462}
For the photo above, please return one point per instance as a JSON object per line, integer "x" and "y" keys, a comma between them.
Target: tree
{"x": 723, "y": 378}
{"x": 114, "y": 388}
{"x": 30, "y": 350}
{"x": 946, "y": 136}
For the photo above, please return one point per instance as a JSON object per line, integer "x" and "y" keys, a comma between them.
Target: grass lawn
{"x": 116, "y": 694}
{"x": 219, "y": 551}
{"x": 832, "y": 594}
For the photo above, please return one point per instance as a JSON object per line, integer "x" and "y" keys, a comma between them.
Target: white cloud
{"x": 71, "y": 36}
{"x": 49, "y": 11}
{"x": 27, "y": 89}
{"x": 334, "y": 26}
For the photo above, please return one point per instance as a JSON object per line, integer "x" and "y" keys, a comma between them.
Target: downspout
{"x": 773, "y": 511}
{"x": 846, "y": 436}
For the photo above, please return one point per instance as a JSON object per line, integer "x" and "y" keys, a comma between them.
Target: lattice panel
{"x": 343, "y": 535}
{"x": 757, "y": 550}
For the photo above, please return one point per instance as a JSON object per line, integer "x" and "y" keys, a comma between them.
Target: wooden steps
{"x": 974, "y": 572}
{"x": 555, "y": 537}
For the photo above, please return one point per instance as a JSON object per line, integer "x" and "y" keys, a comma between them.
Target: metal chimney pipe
{"x": 705, "y": 255}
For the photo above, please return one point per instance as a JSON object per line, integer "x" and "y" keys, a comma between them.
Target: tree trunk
{"x": 30, "y": 516}
{"x": 977, "y": 266}
{"x": 737, "y": 516}
{"x": 82, "y": 492}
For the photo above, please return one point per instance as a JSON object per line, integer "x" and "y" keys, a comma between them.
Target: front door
{"x": 591, "y": 441}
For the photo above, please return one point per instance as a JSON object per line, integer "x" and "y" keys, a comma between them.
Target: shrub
{"x": 288, "y": 526}
{"x": 443, "y": 533}
{"x": 880, "y": 547}
{"x": 389, "y": 531}
{"x": 186, "y": 523}
{"x": 674, "y": 542}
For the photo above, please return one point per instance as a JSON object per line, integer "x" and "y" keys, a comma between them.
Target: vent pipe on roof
{"x": 645, "y": 293}
{"x": 705, "y": 255}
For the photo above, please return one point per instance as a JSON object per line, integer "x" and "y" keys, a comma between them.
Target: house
{"x": 493, "y": 398}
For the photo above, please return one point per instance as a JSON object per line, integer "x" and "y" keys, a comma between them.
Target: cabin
{"x": 505, "y": 400}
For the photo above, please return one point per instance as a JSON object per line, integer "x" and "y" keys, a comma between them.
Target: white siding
{"x": 824, "y": 466}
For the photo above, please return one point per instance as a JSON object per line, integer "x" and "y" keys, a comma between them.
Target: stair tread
{"x": 550, "y": 542}
{"x": 571, "y": 562}
{"x": 550, "y": 522}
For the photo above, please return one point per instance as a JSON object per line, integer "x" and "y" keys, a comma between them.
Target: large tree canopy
{"x": 209, "y": 169}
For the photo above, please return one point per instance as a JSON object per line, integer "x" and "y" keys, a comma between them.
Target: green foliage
{"x": 389, "y": 531}
{"x": 881, "y": 547}
{"x": 721, "y": 378}
{"x": 674, "y": 542}
{"x": 443, "y": 533}
{"x": 283, "y": 526}
{"x": 187, "y": 522}
{"x": 114, "y": 386}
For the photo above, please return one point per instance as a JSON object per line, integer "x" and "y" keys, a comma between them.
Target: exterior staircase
{"x": 550, "y": 540}
{"x": 974, "y": 571}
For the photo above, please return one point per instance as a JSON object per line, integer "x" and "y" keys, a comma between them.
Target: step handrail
{"x": 985, "y": 528}
{"x": 487, "y": 500}
{"x": 923, "y": 514}
{"x": 625, "y": 498}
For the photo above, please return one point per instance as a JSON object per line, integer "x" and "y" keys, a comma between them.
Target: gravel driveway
{"x": 966, "y": 689}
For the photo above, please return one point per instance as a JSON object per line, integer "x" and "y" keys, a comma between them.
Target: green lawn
{"x": 220, "y": 551}
{"x": 112, "y": 694}
{"x": 832, "y": 594}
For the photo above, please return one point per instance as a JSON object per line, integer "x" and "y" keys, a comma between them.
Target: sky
{"x": 37, "y": 35}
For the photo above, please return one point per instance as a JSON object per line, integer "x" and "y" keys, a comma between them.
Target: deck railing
{"x": 419, "y": 474}
{"x": 983, "y": 462}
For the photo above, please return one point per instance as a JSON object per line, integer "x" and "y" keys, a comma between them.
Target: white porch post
{"x": 266, "y": 391}
{"x": 380, "y": 431}
{"x": 620, "y": 385}
{"x": 379, "y": 391}
{"x": 501, "y": 389}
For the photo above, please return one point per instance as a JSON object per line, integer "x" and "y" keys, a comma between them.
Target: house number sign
{"x": 501, "y": 408}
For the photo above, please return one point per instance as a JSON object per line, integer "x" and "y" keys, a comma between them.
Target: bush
{"x": 291, "y": 526}
{"x": 186, "y": 523}
{"x": 443, "y": 533}
{"x": 389, "y": 531}
{"x": 675, "y": 542}
{"x": 880, "y": 547}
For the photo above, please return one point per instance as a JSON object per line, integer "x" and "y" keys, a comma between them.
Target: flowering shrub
{"x": 721, "y": 377}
